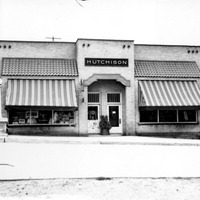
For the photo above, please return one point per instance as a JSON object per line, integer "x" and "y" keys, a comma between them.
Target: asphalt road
{"x": 35, "y": 161}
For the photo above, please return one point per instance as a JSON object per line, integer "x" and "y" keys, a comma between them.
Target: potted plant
{"x": 104, "y": 125}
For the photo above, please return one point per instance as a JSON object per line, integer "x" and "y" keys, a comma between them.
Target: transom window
{"x": 113, "y": 97}
{"x": 93, "y": 97}
{"x": 168, "y": 116}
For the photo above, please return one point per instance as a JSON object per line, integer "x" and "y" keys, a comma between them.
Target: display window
{"x": 44, "y": 117}
{"x": 17, "y": 117}
{"x": 63, "y": 117}
{"x": 31, "y": 117}
{"x": 168, "y": 116}
{"x": 187, "y": 115}
{"x": 148, "y": 116}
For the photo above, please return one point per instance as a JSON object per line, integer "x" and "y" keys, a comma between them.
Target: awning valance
{"x": 168, "y": 93}
{"x": 59, "y": 93}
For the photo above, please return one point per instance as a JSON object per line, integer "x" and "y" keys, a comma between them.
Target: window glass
{"x": 187, "y": 115}
{"x": 113, "y": 97}
{"x": 44, "y": 117}
{"x": 17, "y": 117}
{"x": 148, "y": 116}
{"x": 92, "y": 112}
{"x": 63, "y": 117}
{"x": 93, "y": 97}
{"x": 41, "y": 117}
{"x": 167, "y": 116}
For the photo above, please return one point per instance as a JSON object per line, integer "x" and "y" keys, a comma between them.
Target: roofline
{"x": 112, "y": 40}
{"x": 29, "y": 41}
{"x": 167, "y": 45}
{"x": 64, "y": 42}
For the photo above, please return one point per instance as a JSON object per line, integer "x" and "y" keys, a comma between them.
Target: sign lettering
{"x": 109, "y": 62}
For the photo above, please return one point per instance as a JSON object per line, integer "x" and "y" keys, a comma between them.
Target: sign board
{"x": 106, "y": 62}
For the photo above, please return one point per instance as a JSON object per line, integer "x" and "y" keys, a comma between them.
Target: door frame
{"x": 119, "y": 104}
{"x": 119, "y": 128}
{"x": 94, "y": 123}
{"x": 96, "y": 129}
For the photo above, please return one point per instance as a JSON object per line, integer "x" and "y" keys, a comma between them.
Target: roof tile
{"x": 166, "y": 69}
{"x": 39, "y": 67}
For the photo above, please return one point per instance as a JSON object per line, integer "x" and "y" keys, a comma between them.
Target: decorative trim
{"x": 117, "y": 77}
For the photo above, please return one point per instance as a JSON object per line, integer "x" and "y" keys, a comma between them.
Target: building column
{"x": 83, "y": 112}
{"x": 130, "y": 111}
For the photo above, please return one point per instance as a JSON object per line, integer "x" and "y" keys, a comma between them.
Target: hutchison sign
{"x": 106, "y": 62}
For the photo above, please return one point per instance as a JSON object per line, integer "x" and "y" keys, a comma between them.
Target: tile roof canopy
{"x": 39, "y": 67}
{"x": 166, "y": 69}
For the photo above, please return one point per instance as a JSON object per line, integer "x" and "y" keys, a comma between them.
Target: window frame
{"x": 99, "y": 97}
{"x": 50, "y": 123}
{"x": 165, "y": 123}
{"x": 118, "y": 103}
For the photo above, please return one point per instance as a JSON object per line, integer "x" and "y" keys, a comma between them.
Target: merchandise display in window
{"x": 44, "y": 117}
{"x": 31, "y": 117}
{"x": 63, "y": 117}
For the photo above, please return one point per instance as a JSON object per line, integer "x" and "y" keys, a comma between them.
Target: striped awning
{"x": 168, "y": 93}
{"x": 60, "y": 93}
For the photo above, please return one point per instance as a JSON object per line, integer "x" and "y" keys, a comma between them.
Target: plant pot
{"x": 105, "y": 131}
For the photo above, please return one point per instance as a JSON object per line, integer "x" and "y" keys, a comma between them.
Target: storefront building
{"x": 39, "y": 88}
{"x": 60, "y": 88}
{"x": 168, "y": 97}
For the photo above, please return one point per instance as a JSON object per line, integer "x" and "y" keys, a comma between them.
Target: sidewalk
{"x": 39, "y": 157}
{"x": 117, "y": 140}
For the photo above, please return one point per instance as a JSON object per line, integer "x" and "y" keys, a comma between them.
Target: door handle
{"x": 120, "y": 121}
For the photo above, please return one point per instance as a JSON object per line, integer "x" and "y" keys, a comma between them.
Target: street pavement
{"x": 31, "y": 157}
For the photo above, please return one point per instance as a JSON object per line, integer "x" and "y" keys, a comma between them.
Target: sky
{"x": 173, "y": 22}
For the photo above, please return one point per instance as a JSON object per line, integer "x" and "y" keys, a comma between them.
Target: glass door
{"x": 93, "y": 119}
{"x": 114, "y": 116}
